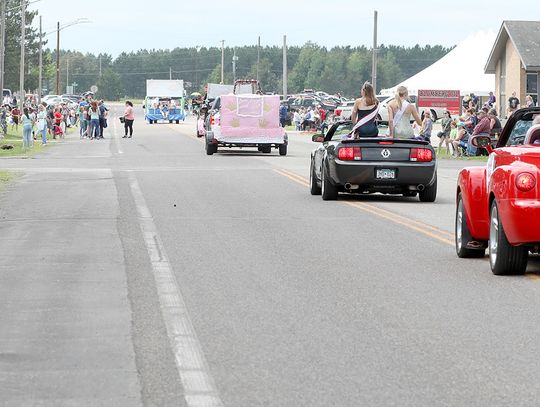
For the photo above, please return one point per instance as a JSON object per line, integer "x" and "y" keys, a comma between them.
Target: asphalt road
{"x": 143, "y": 272}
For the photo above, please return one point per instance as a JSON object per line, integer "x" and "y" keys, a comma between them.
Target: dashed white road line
{"x": 199, "y": 387}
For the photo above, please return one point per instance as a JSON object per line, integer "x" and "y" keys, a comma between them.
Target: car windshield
{"x": 517, "y": 136}
{"x": 341, "y": 130}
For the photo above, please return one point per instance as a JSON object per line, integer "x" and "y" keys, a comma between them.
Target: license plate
{"x": 385, "y": 173}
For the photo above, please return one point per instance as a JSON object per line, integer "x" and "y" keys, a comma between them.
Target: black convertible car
{"x": 367, "y": 165}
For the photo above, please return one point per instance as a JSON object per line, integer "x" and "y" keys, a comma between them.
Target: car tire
{"x": 329, "y": 191}
{"x": 266, "y": 149}
{"x": 463, "y": 235}
{"x": 429, "y": 194}
{"x": 210, "y": 148}
{"x": 283, "y": 149}
{"x": 504, "y": 258}
{"x": 178, "y": 122}
{"x": 170, "y": 121}
{"x": 314, "y": 188}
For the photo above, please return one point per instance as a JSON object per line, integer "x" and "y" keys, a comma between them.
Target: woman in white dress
{"x": 400, "y": 111}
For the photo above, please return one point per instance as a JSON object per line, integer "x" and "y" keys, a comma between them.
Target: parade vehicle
{"x": 164, "y": 101}
{"x": 368, "y": 165}
{"x": 245, "y": 120}
{"x": 498, "y": 205}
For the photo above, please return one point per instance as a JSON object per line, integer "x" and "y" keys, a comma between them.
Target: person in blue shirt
{"x": 283, "y": 114}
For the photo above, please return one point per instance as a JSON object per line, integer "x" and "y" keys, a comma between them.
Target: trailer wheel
{"x": 283, "y": 149}
{"x": 266, "y": 149}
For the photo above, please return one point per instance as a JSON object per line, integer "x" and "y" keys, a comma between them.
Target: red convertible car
{"x": 498, "y": 206}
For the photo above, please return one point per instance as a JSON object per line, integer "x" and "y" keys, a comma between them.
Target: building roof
{"x": 525, "y": 36}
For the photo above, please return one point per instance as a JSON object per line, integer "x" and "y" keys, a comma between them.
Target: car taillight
{"x": 421, "y": 154}
{"x": 212, "y": 120}
{"x": 525, "y": 181}
{"x": 349, "y": 153}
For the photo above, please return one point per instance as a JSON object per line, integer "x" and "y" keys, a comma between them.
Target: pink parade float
{"x": 244, "y": 120}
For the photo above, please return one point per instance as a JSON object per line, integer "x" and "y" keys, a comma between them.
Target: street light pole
{"x": 40, "y": 77}
{"x": 222, "y": 58}
{"x": 58, "y": 58}
{"x": 374, "y": 63}
{"x": 2, "y": 44}
{"x": 23, "y": 35}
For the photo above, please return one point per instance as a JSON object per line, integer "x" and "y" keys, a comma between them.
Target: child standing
{"x": 427, "y": 127}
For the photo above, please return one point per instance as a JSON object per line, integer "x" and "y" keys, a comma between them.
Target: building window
{"x": 532, "y": 86}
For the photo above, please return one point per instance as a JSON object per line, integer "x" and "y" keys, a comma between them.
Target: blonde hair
{"x": 369, "y": 94}
{"x": 401, "y": 92}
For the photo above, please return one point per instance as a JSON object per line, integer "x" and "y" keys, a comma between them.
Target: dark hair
{"x": 129, "y": 103}
{"x": 25, "y": 111}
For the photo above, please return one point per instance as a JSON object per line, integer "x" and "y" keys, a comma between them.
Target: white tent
{"x": 461, "y": 69}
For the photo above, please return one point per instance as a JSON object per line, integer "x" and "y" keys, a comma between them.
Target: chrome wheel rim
{"x": 459, "y": 225}
{"x": 493, "y": 235}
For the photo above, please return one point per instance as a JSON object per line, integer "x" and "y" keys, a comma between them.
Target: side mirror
{"x": 482, "y": 141}
{"x": 317, "y": 138}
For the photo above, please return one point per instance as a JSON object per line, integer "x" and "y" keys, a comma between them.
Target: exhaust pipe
{"x": 421, "y": 187}
{"x": 349, "y": 186}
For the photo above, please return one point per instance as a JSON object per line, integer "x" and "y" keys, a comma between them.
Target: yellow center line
{"x": 298, "y": 181}
{"x": 385, "y": 214}
{"x": 389, "y": 214}
{"x": 292, "y": 174}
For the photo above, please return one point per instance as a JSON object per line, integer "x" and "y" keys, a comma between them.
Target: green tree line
{"x": 340, "y": 69}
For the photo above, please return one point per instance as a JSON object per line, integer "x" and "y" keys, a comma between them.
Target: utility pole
{"x": 284, "y": 67}
{"x": 40, "y": 75}
{"x": 234, "y": 59}
{"x": 67, "y": 72}
{"x": 2, "y": 44}
{"x": 100, "y": 65}
{"x": 58, "y": 58}
{"x": 23, "y": 35}
{"x": 258, "y": 56}
{"x": 222, "y": 58}
{"x": 375, "y": 50}
{"x": 170, "y": 73}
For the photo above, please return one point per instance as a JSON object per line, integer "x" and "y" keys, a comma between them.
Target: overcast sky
{"x": 128, "y": 25}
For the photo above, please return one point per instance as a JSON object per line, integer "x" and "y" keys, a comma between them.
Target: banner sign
{"x": 440, "y": 99}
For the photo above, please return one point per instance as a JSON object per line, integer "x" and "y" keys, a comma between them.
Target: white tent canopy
{"x": 461, "y": 69}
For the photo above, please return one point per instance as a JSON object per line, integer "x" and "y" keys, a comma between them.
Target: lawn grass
{"x": 444, "y": 155}
{"x": 5, "y": 177}
{"x": 14, "y": 138}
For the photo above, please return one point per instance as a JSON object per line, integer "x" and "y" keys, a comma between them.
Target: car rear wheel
{"x": 210, "y": 148}
{"x": 429, "y": 194}
{"x": 504, "y": 258}
{"x": 314, "y": 188}
{"x": 329, "y": 191}
{"x": 463, "y": 236}
{"x": 283, "y": 149}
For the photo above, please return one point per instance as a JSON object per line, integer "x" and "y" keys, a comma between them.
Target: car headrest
{"x": 533, "y": 135}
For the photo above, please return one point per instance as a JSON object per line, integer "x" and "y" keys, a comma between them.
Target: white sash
{"x": 364, "y": 120}
{"x": 399, "y": 114}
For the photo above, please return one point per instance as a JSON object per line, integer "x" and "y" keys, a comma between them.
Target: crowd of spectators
{"x": 50, "y": 121}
